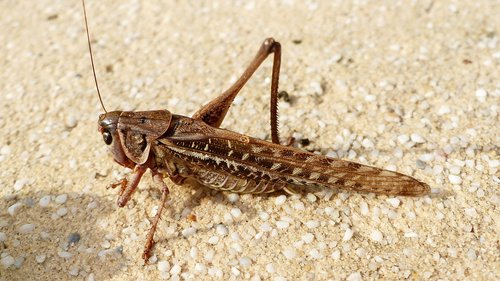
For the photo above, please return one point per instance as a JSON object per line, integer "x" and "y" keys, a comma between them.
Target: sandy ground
{"x": 411, "y": 86}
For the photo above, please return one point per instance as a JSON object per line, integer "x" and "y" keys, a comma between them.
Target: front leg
{"x": 128, "y": 187}
{"x": 214, "y": 112}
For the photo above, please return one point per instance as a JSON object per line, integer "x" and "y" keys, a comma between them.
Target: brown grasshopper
{"x": 195, "y": 148}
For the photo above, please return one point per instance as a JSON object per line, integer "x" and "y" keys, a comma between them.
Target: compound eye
{"x": 108, "y": 139}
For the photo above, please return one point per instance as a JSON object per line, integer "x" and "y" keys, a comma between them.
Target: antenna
{"x": 91, "y": 56}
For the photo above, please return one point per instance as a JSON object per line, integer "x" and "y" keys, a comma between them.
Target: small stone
{"x": 245, "y": 261}
{"x": 312, "y": 224}
{"x": 471, "y": 212}
{"x": 394, "y": 202}
{"x": 176, "y": 269}
{"x": 221, "y": 230}
{"x": 481, "y": 94}
{"x": 61, "y": 199}
{"x": 376, "y": 235}
{"x": 264, "y": 216}
{"x": 163, "y": 266}
{"x": 270, "y": 268}
{"x": 403, "y": 139}
{"x": 348, "y": 234}
{"x": 315, "y": 254}
{"x": 14, "y": 208}
{"x": 336, "y": 255}
{"x": 311, "y": 197}
{"x": 233, "y": 197}
{"x": 454, "y": 179}
{"x": 289, "y": 253}
{"x": 71, "y": 122}
{"x": 416, "y": 138}
{"x": 44, "y": 201}
{"x": 62, "y": 212}
{"x": 280, "y": 200}
{"x": 355, "y": 276}
{"x": 307, "y": 238}
{"x": 188, "y": 232}
{"x": 40, "y": 258}
{"x": 7, "y": 261}
{"x": 74, "y": 238}
{"x": 3, "y": 237}
{"x": 26, "y": 228}
{"x": 282, "y": 224}
{"x": 5, "y": 150}
{"x": 64, "y": 254}
{"x": 20, "y": 183}
{"x": 471, "y": 254}
{"x": 235, "y": 212}
{"x": 213, "y": 240}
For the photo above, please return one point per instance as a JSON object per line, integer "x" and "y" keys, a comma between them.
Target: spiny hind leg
{"x": 214, "y": 112}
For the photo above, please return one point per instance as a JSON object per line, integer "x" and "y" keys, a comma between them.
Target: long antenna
{"x": 91, "y": 56}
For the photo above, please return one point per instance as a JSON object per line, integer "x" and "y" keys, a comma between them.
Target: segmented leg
{"x": 214, "y": 112}
{"x": 131, "y": 185}
{"x": 158, "y": 178}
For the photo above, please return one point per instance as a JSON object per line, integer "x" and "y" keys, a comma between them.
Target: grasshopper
{"x": 196, "y": 148}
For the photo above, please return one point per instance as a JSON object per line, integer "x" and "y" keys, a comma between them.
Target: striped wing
{"x": 240, "y": 157}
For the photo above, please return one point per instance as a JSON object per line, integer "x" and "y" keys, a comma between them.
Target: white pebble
{"x": 235, "y": 212}
{"x": 209, "y": 255}
{"x": 61, "y": 199}
{"x": 270, "y": 268}
{"x": 366, "y": 143}
{"x": 481, "y": 94}
{"x": 221, "y": 230}
{"x": 233, "y": 197}
{"x": 176, "y": 269}
{"x": 40, "y": 258}
{"x": 64, "y": 254}
{"x": 62, "y": 212}
{"x": 307, "y": 238}
{"x": 3, "y": 237}
{"x": 235, "y": 271}
{"x": 471, "y": 254}
{"x": 245, "y": 261}
{"x": 299, "y": 206}
{"x": 44, "y": 201}
{"x": 7, "y": 261}
{"x": 336, "y": 255}
{"x": 348, "y": 234}
{"x": 403, "y": 139}
{"x": 5, "y": 150}
{"x": 188, "y": 232}
{"x": 394, "y": 202}
{"x": 364, "y": 208}
{"x": 199, "y": 267}
{"x": 416, "y": 138}
{"x": 26, "y": 228}
{"x": 376, "y": 235}
{"x": 12, "y": 210}
{"x": 355, "y": 276}
{"x": 315, "y": 254}
{"x": 265, "y": 227}
{"x": 213, "y": 240}
{"x": 289, "y": 253}
{"x": 312, "y": 224}
{"x": 282, "y": 224}
{"x": 163, "y": 266}
{"x": 71, "y": 121}
{"x": 20, "y": 183}
{"x": 444, "y": 109}
{"x": 264, "y": 216}
{"x": 311, "y": 197}
{"x": 279, "y": 278}
{"x": 280, "y": 200}
{"x": 471, "y": 212}
{"x": 454, "y": 179}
